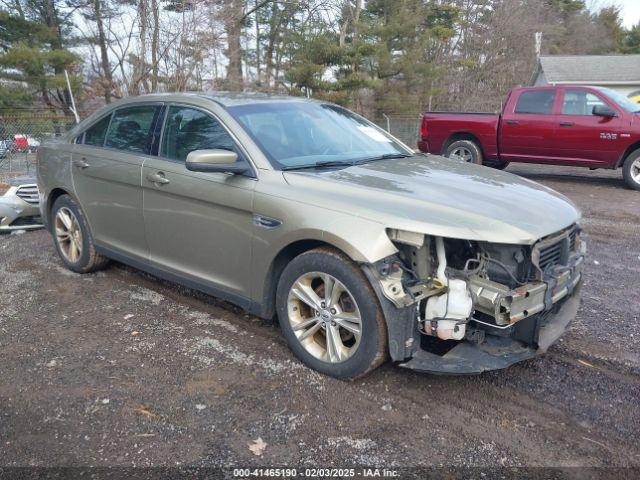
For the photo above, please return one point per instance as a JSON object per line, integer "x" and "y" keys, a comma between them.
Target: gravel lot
{"x": 118, "y": 368}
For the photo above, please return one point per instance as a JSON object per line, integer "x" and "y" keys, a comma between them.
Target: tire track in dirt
{"x": 191, "y": 379}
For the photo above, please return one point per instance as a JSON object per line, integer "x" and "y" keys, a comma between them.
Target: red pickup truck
{"x": 570, "y": 125}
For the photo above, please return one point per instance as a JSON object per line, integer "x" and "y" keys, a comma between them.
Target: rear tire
{"x": 631, "y": 170}
{"x": 308, "y": 318}
{"x": 72, "y": 237}
{"x": 467, "y": 150}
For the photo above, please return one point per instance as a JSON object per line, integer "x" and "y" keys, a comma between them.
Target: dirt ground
{"x": 118, "y": 368}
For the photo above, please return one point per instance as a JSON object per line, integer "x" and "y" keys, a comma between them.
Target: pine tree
{"x": 34, "y": 53}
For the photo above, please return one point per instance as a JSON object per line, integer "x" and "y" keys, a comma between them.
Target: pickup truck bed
{"x": 445, "y": 127}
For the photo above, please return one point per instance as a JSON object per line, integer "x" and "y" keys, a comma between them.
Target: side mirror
{"x": 604, "y": 111}
{"x": 223, "y": 161}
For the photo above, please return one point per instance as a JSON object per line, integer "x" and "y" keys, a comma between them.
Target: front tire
{"x": 631, "y": 170}
{"x": 467, "y": 150}
{"x": 499, "y": 164}
{"x": 330, "y": 315}
{"x": 72, "y": 237}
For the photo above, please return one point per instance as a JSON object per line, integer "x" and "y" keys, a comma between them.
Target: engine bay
{"x": 463, "y": 290}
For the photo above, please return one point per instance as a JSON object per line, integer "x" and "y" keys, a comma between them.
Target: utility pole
{"x": 73, "y": 102}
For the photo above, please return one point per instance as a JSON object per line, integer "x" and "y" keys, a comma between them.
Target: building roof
{"x": 608, "y": 69}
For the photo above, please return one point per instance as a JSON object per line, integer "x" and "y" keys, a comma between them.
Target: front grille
{"x": 552, "y": 252}
{"x": 572, "y": 239}
{"x": 22, "y": 221}
{"x": 552, "y": 255}
{"x": 29, "y": 193}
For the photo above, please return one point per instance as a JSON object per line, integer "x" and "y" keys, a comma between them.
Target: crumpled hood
{"x": 439, "y": 196}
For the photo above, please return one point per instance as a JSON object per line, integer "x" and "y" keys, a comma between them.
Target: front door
{"x": 198, "y": 225}
{"x": 107, "y": 165}
{"x": 526, "y": 132}
{"x": 585, "y": 139}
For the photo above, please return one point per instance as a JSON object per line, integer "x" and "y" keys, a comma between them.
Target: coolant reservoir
{"x": 453, "y": 306}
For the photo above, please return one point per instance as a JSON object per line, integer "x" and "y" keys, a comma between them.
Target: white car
{"x": 20, "y": 205}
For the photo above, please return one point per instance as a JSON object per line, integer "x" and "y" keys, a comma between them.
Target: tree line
{"x": 393, "y": 56}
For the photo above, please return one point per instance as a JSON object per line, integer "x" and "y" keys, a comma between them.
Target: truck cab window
{"x": 579, "y": 102}
{"x": 538, "y": 102}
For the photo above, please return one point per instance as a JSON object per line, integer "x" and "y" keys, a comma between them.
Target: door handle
{"x": 81, "y": 163}
{"x": 158, "y": 178}
{"x": 567, "y": 124}
{"x": 513, "y": 122}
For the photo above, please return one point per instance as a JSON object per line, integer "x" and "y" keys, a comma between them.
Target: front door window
{"x": 188, "y": 129}
{"x": 579, "y": 102}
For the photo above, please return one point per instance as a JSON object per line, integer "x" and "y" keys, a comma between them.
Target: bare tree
{"x": 233, "y": 17}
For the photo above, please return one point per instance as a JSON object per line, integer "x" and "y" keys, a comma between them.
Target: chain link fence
{"x": 403, "y": 127}
{"x": 407, "y": 127}
{"x": 20, "y": 137}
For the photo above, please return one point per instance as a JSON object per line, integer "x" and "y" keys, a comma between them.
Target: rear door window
{"x": 96, "y": 134}
{"x": 538, "y": 102}
{"x": 131, "y": 129}
{"x": 188, "y": 129}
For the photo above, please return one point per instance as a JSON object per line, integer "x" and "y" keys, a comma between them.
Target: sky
{"x": 630, "y": 9}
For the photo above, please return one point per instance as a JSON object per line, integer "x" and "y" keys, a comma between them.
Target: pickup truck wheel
{"x": 72, "y": 237}
{"x": 631, "y": 170}
{"x": 330, "y": 315}
{"x": 467, "y": 150}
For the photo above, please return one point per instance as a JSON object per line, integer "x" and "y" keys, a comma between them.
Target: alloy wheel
{"x": 463, "y": 153}
{"x": 324, "y": 317}
{"x": 68, "y": 234}
{"x": 635, "y": 171}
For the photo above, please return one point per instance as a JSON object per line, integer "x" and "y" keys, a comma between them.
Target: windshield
{"x": 624, "y": 102}
{"x": 301, "y": 134}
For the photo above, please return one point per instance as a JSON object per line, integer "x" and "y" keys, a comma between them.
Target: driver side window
{"x": 188, "y": 129}
{"x": 579, "y": 102}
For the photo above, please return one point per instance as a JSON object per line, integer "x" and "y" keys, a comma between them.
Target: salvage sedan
{"x": 19, "y": 205}
{"x": 303, "y": 210}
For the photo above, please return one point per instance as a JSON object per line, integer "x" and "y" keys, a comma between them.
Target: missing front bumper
{"x": 498, "y": 352}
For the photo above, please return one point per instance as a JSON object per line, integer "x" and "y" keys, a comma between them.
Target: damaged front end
{"x": 458, "y": 306}
{"x": 19, "y": 205}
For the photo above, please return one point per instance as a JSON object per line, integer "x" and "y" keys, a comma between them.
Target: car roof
{"x": 244, "y": 98}
{"x": 224, "y": 98}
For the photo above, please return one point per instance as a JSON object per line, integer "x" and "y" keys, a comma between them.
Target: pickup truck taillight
{"x": 423, "y": 128}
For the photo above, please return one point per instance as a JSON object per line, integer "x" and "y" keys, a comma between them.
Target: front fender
{"x": 362, "y": 240}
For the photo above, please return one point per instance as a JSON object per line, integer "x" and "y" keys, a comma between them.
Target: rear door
{"x": 107, "y": 165}
{"x": 199, "y": 225}
{"x": 585, "y": 139}
{"x": 529, "y": 126}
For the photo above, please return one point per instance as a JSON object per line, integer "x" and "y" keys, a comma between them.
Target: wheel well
{"x": 281, "y": 260}
{"x": 53, "y": 196}
{"x": 462, "y": 136}
{"x": 627, "y": 152}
